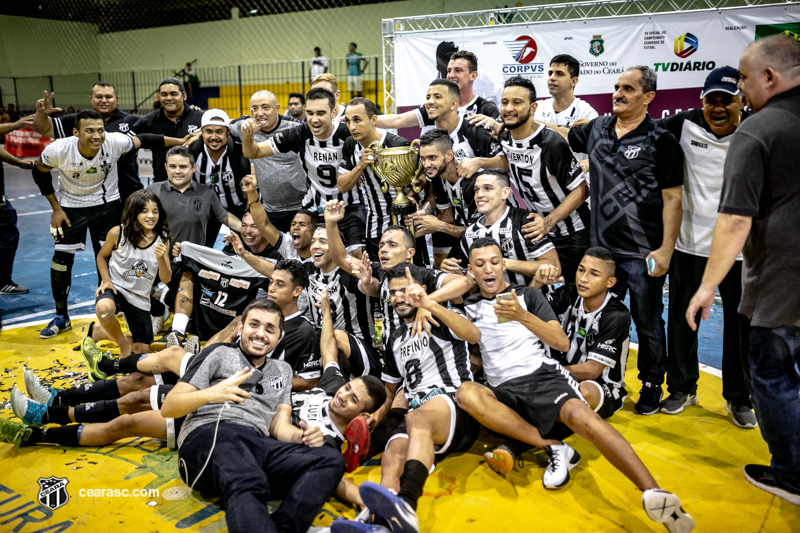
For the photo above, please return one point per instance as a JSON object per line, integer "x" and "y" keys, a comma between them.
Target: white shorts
{"x": 354, "y": 83}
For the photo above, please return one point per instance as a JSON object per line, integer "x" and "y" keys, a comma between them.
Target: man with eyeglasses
{"x": 221, "y": 165}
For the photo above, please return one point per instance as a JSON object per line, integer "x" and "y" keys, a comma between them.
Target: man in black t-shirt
{"x": 636, "y": 169}
{"x": 759, "y": 216}
{"x": 104, "y": 100}
{"x": 174, "y": 118}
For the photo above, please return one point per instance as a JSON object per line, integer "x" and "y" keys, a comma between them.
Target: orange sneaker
{"x": 501, "y": 460}
{"x": 357, "y": 437}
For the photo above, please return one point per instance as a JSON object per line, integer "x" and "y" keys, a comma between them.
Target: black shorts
{"x": 174, "y": 426}
{"x": 443, "y": 242}
{"x": 539, "y": 396}
{"x": 608, "y": 403}
{"x": 364, "y": 358}
{"x": 138, "y": 320}
{"x": 463, "y": 430}
{"x": 98, "y": 219}
{"x": 157, "y": 395}
{"x": 354, "y": 227}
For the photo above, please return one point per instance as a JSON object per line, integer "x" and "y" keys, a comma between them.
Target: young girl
{"x": 133, "y": 254}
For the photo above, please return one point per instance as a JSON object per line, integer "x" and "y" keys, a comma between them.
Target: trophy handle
{"x": 376, "y": 147}
{"x": 415, "y": 180}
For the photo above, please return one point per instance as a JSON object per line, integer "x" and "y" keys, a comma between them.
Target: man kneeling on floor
{"x": 242, "y": 444}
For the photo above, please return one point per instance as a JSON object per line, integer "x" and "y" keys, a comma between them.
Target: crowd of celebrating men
{"x": 324, "y": 325}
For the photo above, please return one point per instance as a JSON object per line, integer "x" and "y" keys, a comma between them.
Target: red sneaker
{"x": 357, "y": 437}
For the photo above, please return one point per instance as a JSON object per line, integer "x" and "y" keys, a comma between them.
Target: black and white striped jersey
{"x": 377, "y": 201}
{"x": 223, "y": 286}
{"x": 509, "y": 350}
{"x": 299, "y": 346}
{"x": 311, "y": 406}
{"x": 86, "y": 182}
{"x": 545, "y": 172}
{"x": 507, "y": 231}
{"x": 432, "y": 279}
{"x": 473, "y": 141}
{"x": 478, "y": 105}
{"x": 439, "y": 360}
{"x": 602, "y": 335}
{"x": 320, "y": 158}
{"x": 459, "y": 195}
{"x": 349, "y": 308}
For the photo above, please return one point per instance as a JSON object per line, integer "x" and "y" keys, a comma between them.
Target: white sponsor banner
{"x": 681, "y": 48}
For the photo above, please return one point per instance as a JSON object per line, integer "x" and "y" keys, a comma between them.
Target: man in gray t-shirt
{"x": 281, "y": 178}
{"x": 237, "y": 404}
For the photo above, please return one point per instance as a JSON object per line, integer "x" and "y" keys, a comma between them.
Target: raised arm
{"x": 259, "y": 264}
{"x": 404, "y": 120}
{"x": 549, "y": 332}
{"x": 460, "y": 325}
{"x": 250, "y": 148}
{"x": 529, "y": 268}
{"x": 453, "y": 286}
{"x": 327, "y": 340}
{"x": 42, "y": 122}
{"x": 260, "y": 217}
{"x": 334, "y": 212}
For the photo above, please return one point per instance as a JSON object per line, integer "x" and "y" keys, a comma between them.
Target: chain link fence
{"x": 228, "y": 88}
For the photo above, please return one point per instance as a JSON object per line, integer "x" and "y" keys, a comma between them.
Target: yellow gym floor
{"x": 698, "y": 454}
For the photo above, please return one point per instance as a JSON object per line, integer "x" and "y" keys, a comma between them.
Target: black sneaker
{"x": 649, "y": 399}
{"x": 762, "y": 477}
{"x": 11, "y": 288}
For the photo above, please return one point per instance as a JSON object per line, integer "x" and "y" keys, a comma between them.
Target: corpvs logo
{"x": 523, "y": 50}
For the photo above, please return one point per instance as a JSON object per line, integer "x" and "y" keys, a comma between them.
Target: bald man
{"x": 281, "y": 178}
{"x": 759, "y": 213}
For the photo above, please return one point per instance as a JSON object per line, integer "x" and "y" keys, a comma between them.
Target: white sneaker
{"x": 665, "y": 508}
{"x": 560, "y": 460}
{"x": 158, "y": 321}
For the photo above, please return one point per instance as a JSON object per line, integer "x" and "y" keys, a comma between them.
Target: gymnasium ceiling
{"x": 123, "y": 15}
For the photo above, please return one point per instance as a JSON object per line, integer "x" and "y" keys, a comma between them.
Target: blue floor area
{"x": 32, "y": 270}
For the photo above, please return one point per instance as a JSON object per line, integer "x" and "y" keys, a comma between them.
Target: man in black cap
{"x": 705, "y": 134}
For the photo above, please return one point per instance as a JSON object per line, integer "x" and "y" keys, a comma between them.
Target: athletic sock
{"x": 60, "y": 279}
{"x": 124, "y": 365}
{"x": 104, "y": 389}
{"x": 94, "y": 412}
{"x": 412, "y": 481}
{"x": 179, "y": 323}
{"x": 34, "y": 438}
{"x": 63, "y": 436}
{"x": 57, "y": 414}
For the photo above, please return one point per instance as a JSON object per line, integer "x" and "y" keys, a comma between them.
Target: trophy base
{"x": 398, "y": 212}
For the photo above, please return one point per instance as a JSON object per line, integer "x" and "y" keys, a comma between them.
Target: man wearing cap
{"x": 221, "y": 165}
{"x": 705, "y": 134}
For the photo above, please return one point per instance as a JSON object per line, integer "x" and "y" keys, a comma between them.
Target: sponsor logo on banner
{"x": 53, "y": 492}
{"x": 596, "y": 45}
{"x": 686, "y": 45}
{"x": 523, "y": 50}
